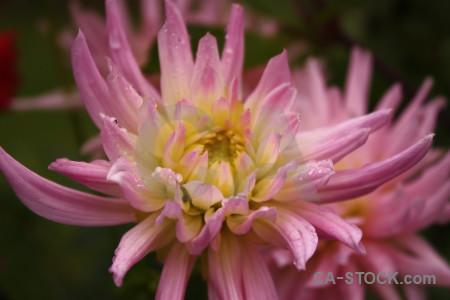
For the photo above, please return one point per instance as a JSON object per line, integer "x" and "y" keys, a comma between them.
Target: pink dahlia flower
{"x": 390, "y": 216}
{"x": 201, "y": 171}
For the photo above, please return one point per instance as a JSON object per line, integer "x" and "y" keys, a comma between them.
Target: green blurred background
{"x": 40, "y": 259}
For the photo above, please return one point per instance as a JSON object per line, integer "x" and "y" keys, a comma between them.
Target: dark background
{"x": 40, "y": 259}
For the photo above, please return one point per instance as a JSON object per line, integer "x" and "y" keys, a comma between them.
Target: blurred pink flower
{"x": 390, "y": 216}
{"x": 199, "y": 170}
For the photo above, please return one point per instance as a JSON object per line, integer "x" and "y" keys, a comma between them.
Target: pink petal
{"x": 92, "y": 86}
{"x": 174, "y": 148}
{"x": 327, "y": 221}
{"x": 203, "y": 195}
{"x": 266, "y": 188}
{"x": 93, "y": 25}
{"x": 241, "y": 224}
{"x": 209, "y": 232}
{"x": 225, "y": 269}
{"x": 433, "y": 207}
{"x": 91, "y": 174}
{"x": 175, "y": 56}
{"x": 391, "y": 99}
{"x": 377, "y": 260}
{"x": 419, "y": 258}
{"x": 291, "y": 231}
{"x": 335, "y": 147}
{"x": 61, "y": 204}
{"x": 122, "y": 55}
{"x": 373, "y": 121}
{"x": 117, "y": 142}
{"x": 171, "y": 210}
{"x": 127, "y": 100}
{"x": 188, "y": 227}
{"x": 207, "y": 55}
{"x": 124, "y": 174}
{"x": 306, "y": 180}
{"x": 258, "y": 283}
{"x": 175, "y": 274}
{"x": 138, "y": 242}
{"x": 358, "y": 80}
{"x": 233, "y": 51}
{"x": 353, "y": 183}
{"x": 276, "y": 73}
{"x": 405, "y": 120}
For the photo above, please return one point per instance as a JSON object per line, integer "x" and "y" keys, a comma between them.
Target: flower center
{"x": 223, "y": 145}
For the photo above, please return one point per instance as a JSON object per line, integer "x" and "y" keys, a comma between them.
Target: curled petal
{"x": 138, "y": 242}
{"x": 291, "y": 231}
{"x": 61, "y": 204}
{"x": 124, "y": 174}
{"x": 203, "y": 195}
{"x": 93, "y": 174}
{"x": 171, "y": 210}
{"x": 241, "y": 224}
{"x": 208, "y": 234}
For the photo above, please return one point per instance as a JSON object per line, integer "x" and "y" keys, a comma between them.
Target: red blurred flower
{"x": 9, "y": 78}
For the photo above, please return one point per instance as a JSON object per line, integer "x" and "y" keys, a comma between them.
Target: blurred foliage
{"x": 40, "y": 259}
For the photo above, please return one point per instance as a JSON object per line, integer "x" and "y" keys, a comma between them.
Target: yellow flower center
{"x": 223, "y": 145}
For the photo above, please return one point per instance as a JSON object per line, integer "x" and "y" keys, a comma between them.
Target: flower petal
{"x": 138, "y": 242}
{"x": 175, "y": 56}
{"x": 93, "y": 174}
{"x": 127, "y": 100}
{"x": 122, "y": 55}
{"x": 358, "y": 79}
{"x": 124, "y": 174}
{"x": 225, "y": 268}
{"x": 175, "y": 274}
{"x": 352, "y": 183}
{"x": 275, "y": 74}
{"x": 117, "y": 141}
{"x": 209, "y": 232}
{"x": 233, "y": 51}
{"x": 92, "y": 86}
{"x": 337, "y": 146}
{"x": 241, "y": 224}
{"x": 306, "y": 180}
{"x": 61, "y": 204}
{"x": 291, "y": 231}
{"x": 327, "y": 221}
{"x": 203, "y": 195}
{"x": 258, "y": 283}
{"x": 266, "y": 188}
